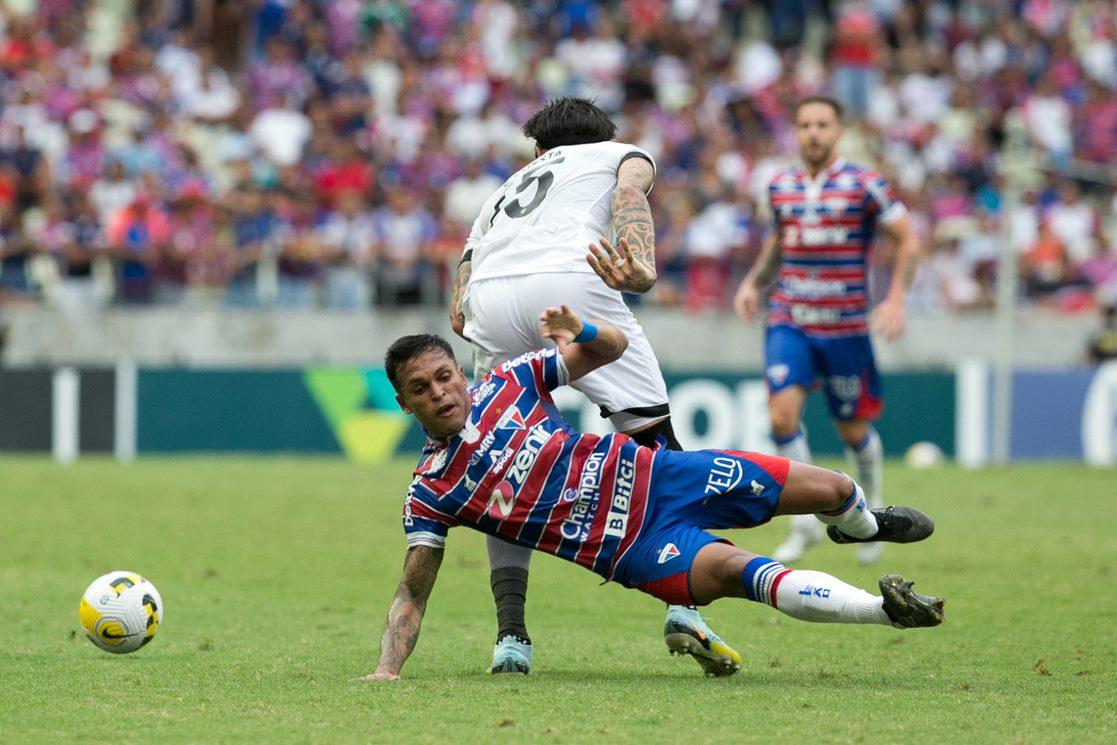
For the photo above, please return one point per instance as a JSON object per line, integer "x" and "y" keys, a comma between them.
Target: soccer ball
{"x": 924, "y": 455}
{"x": 120, "y": 612}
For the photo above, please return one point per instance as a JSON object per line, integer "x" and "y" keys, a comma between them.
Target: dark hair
{"x": 569, "y": 121}
{"x": 407, "y": 348}
{"x": 835, "y": 104}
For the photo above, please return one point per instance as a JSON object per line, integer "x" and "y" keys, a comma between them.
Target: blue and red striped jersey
{"x": 518, "y": 471}
{"x": 826, "y": 227}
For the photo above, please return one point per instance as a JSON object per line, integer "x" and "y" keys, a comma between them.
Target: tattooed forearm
{"x": 401, "y": 632}
{"x": 457, "y": 317}
{"x": 632, "y": 217}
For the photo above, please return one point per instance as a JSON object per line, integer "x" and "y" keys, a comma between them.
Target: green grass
{"x": 276, "y": 575}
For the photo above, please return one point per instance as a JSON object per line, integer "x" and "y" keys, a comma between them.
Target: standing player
{"x": 498, "y": 460}
{"x": 526, "y": 252}
{"x": 825, "y": 213}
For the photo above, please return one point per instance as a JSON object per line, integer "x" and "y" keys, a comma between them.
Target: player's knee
{"x": 834, "y": 488}
{"x": 852, "y": 433}
{"x": 785, "y": 422}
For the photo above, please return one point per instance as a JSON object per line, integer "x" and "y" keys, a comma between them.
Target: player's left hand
{"x": 619, "y": 268}
{"x": 380, "y": 675}
{"x": 560, "y": 325}
{"x": 890, "y": 318}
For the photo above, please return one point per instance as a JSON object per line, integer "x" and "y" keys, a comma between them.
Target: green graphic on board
{"x": 360, "y": 407}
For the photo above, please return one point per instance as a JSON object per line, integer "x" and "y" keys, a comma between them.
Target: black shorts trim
{"x": 647, "y": 411}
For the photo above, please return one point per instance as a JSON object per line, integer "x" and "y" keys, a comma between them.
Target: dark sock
{"x": 509, "y": 591}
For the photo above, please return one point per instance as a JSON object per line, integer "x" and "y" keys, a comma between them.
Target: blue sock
{"x": 761, "y": 577}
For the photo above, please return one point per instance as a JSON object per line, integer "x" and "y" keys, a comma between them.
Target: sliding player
{"x": 500, "y": 461}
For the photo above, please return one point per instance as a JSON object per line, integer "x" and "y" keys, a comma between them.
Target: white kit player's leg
{"x": 502, "y": 316}
{"x": 867, "y": 459}
{"x": 806, "y": 530}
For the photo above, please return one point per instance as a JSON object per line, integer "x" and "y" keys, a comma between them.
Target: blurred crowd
{"x": 314, "y": 153}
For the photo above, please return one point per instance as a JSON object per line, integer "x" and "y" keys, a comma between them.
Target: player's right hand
{"x": 747, "y": 300}
{"x": 560, "y": 325}
{"x": 380, "y": 675}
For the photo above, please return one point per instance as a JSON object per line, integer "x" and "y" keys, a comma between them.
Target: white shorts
{"x": 502, "y": 320}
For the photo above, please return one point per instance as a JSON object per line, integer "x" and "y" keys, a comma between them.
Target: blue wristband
{"x": 588, "y": 333}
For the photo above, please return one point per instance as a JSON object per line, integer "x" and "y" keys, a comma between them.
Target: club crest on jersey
{"x": 667, "y": 553}
{"x": 511, "y": 419}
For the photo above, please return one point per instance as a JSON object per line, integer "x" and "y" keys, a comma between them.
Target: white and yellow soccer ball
{"x": 120, "y": 612}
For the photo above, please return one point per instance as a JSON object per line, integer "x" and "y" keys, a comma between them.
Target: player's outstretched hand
{"x": 619, "y": 268}
{"x": 747, "y": 300}
{"x": 890, "y": 319}
{"x": 559, "y": 324}
{"x": 378, "y": 676}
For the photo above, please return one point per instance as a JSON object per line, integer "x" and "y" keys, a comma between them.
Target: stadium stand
{"x": 307, "y": 154}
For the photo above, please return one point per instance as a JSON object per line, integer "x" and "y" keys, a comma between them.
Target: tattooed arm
{"x": 401, "y": 631}
{"x": 633, "y": 268}
{"x": 461, "y": 279}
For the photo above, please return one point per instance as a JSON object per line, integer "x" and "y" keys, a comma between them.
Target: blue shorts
{"x": 845, "y": 367}
{"x": 692, "y": 492}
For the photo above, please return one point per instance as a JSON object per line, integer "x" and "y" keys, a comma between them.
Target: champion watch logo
{"x": 667, "y": 553}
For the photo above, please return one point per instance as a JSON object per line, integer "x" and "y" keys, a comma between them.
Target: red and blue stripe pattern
{"x": 826, "y": 228}
{"x": 518, "y": 471}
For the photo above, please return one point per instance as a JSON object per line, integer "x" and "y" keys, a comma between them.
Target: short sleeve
{"x": 542, "y": 371}
{"x": 483, "y": 222}
{"x": 627, "y": 152}
{"x": 423, "y": 525}
{"x": 881, "y": 202}
{"x": 773, "y": 215}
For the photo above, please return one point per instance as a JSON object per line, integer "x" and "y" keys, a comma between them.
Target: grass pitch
{"x": 277, "y": 574}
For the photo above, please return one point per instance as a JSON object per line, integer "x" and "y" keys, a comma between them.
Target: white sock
{"x": 868, "y": 460}
{"x": 796, "y": 448}
{"x": 809, "y": 595}
{"x": 853, "y": 518}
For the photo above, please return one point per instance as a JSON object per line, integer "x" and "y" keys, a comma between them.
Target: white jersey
{"x": 544, "y": 217}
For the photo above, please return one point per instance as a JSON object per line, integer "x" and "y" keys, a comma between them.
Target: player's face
{"x": 817, "y": 131}
{"x": 433, "y": 388}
